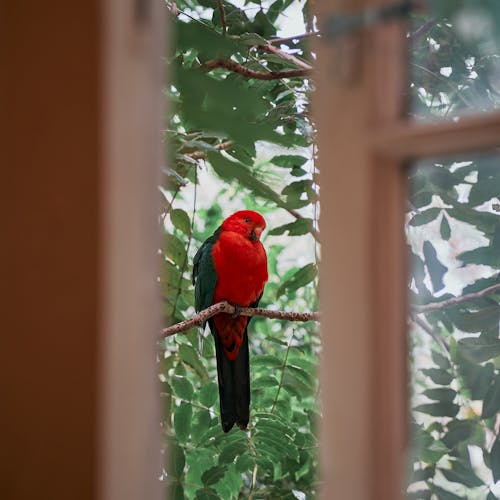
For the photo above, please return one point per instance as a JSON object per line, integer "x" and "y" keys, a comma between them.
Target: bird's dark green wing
{"x": 204, "y": 273}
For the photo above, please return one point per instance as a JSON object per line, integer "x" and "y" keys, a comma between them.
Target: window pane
{"x": 453, "y": 231}
{"x": 455, "y": 59}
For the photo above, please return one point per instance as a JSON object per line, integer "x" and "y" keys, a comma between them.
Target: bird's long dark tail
{"x": 234, "y": 384}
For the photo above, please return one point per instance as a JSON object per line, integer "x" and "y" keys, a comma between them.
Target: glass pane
{"x": 453, "y": 231}
{"x": 455, "y": 59}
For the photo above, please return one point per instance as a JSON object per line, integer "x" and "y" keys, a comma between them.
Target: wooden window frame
{"x": 82, "y": 100}
{"x": 365, "y": 143}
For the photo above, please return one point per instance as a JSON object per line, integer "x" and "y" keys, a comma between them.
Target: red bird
{"x": 232, "y": 265}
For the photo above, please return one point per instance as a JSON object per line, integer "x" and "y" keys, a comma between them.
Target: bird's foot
{"x": 237, "y": 311}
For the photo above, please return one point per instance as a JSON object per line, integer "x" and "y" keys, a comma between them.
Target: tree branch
{"x": 428, "y": 329}
{"x": 297, "y": 215}
{"x": 201, "y": 155}
{"x": 422, "y": 30}
{"x": 226, "y": 307}
{"x": 250, "y": 73}
{"x": 288, "y": 57}
{"x": 222, "y": 16}
{"x": 295, "y": 37}
{"x": 435, "y": 306}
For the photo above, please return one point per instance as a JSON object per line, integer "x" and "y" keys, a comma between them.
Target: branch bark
{"x": 435, "y": 306}
{"x": 250, "y": 73}
{"x": 287, "y": 57}
{"x": 222, "y": 16}
{"x": 295, "y": 37}
{"x": 225, "y": 307}
{"x": 201, "y": 155}
{"x": 428, "y": 329}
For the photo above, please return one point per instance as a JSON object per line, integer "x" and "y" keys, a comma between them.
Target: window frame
{"x": 365, "y": 144}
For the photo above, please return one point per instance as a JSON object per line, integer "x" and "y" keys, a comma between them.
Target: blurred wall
{"x": 80, "y": 107}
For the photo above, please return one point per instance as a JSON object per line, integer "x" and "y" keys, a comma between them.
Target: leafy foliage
{"x": 453, "y": 231}
{"x": 244, "y": 131}
{"x": 255, "y": 138}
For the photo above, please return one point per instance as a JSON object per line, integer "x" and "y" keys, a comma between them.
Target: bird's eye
{"x": 247, "y": 220}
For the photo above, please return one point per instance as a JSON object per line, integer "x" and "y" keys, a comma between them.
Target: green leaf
{"x": 231, "y": 451}
{"x": 476, "y": 378}
{"x": 491, "y": 404}
{"x": 201, "y": 422}
{"x": 189, "y": 356}
{"x": 244, "y": 464}
{"x": 213, "y": 475}
{"x": 177, "y": 459}
{"x": 479, "y": 349}
{"x": 299, "y": 193}
{"x": 272, "y": 423}
{"x": 296, "y": 228}
{"x": 462, "y": 475}
{"x": 174, "y": 249}
{"x": 208, "y": 350}
{"x": 438, "y": 376}
{"x": 434, "y": 451}
{"x": 252, "y": 39}
{"x": 423, "y": 474}
{"x": 262, "y": 25}
{"x": 483, "y": 320}
{"x": 434, "y": 266}
{"x": 444, "y": 228}
{"x": 424, "y": 217}
{"x": 463, "y": 431}
{"x": 182, "y": 387}
{"x": 176, "y": 492}
{"x": 299, "y": 279}
{"x": 264, "y": 382}
{"x": 289, "y": 161}
{"x": 495, "y": 460}
{"x": 282, "y": 444}
{"x": 441, "y": 394}
{"x": 443, "y": 494}
{"x": 208, "y": 394}
{"x": 180, "y": 219}
{"x": 208, "y": 43}
{"x": 440, "y": 360}
{"x": 295, "y": 386}
{"x": 235, "y": 171}
{"x": 207, "y": 494}
{"x": 442, "y": 409}
{"x": 419, "y": 495}
{"x": 485, "y": 189}
{"x": 182, "y": 421}
{"x": 269, "y": 361}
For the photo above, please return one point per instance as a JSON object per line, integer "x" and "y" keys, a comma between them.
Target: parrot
{"x": 231, "y": 265}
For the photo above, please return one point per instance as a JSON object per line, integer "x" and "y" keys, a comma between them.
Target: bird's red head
{"x": 246, "y": 222}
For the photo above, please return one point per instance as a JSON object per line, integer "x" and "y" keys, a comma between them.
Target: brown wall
{"x": 49, "y": 279}
{"x": 72, "y": 260}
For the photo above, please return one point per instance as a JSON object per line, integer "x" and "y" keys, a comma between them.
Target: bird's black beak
{"x": 253, "y": 236}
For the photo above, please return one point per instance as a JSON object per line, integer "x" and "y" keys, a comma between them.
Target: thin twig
{"x": 427, "y": 329}
{"x": 201, "y": 155}
{"x": 222, "y": 16}
{"x": 169, "y": 206}
{"x": 283, "y": 368}
{"x": 225, "y": 307}
{"x": 185, "y": 263}
{"x": 288, "y": 57}
{"x": 250, "y": 73}
{"x": 295, "y": 37}
{"x": 435, "y": 306}
{"x": 297, "y": 215}
{"x": 422, "y": 30}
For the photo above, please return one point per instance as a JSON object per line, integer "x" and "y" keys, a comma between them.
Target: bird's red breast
{"x": 241, "y": 264}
